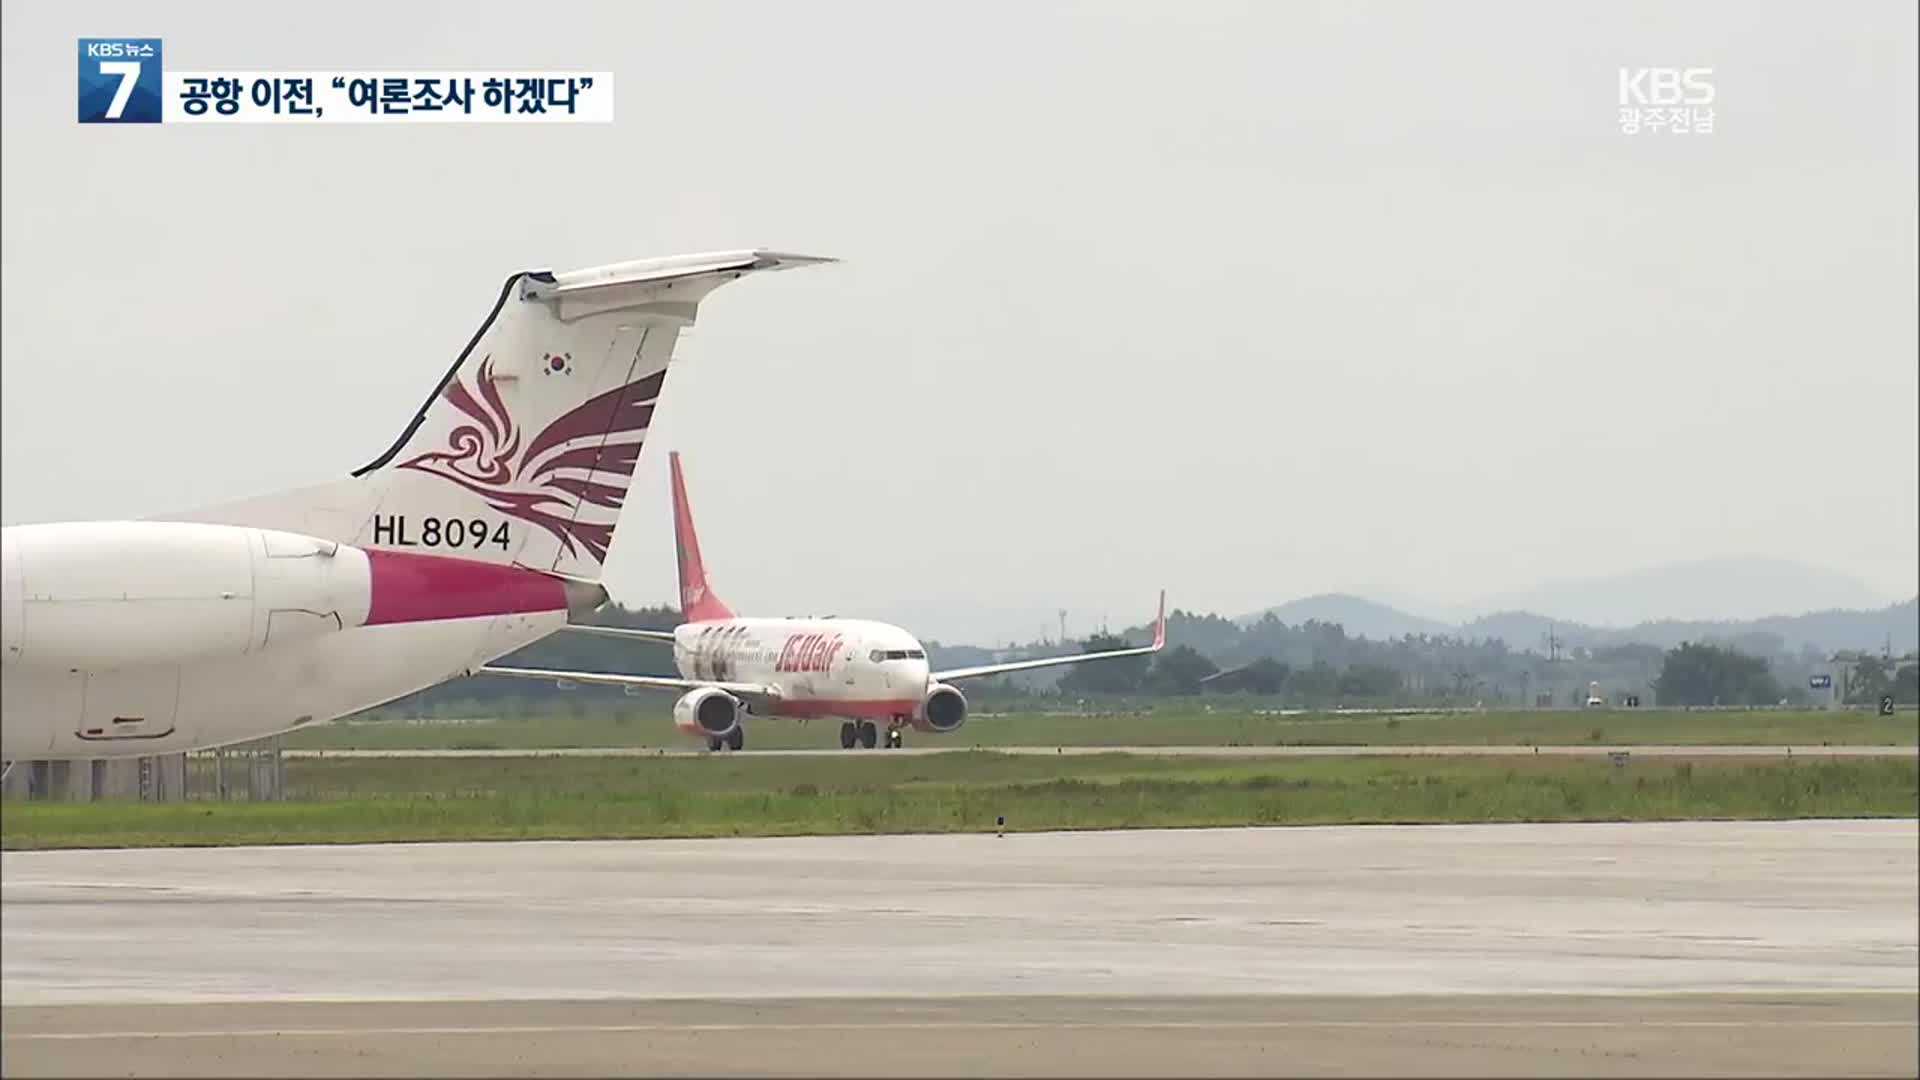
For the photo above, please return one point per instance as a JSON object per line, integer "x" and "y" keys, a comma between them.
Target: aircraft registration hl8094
{"x": 863, "y": 673}
{"x": 480, "y": 530}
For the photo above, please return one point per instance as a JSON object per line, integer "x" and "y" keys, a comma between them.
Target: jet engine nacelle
{"x": 118, "y": 594}
{"x": 944, "y": 710}
{"x": 707, "y": 713}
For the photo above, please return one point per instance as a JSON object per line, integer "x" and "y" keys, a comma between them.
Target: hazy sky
{"x": 1249, "y": 300}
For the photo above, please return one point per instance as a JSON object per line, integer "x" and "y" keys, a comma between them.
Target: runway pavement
{"x": 1172, "y": 751}
{"x": 1596, "y": 949}
{"x": 1724, "y": 1035}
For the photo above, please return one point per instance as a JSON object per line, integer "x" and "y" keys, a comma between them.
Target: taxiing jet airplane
{"x": 480, "y": 530}
{"x": 855, "y": 670}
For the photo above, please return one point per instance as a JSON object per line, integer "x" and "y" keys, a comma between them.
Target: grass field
{"x": 570, "y": 798}
{"x": 1166, "y": 725}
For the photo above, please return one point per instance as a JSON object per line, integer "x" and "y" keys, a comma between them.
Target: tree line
{"x": 1310, "y": 664}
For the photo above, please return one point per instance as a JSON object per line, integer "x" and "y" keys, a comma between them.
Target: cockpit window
{"x": 899, "y": 654}
{"x": 916, "y": 654}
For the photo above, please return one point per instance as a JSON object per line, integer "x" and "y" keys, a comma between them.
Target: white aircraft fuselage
{"x": 850, "y": 668}
{"x": 140, "y": 637}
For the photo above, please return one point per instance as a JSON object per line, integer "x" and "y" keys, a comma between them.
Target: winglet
{"x": 1160, "y": 623}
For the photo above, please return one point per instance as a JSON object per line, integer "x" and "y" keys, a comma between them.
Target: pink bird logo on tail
{"x": 556, "y": 478}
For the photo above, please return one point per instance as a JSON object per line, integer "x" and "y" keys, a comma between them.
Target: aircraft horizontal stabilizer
{"x": 753, "y": 691}
{"x": 672, "y": 268}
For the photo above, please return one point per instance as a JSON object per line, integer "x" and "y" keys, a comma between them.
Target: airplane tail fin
{"x": 523, "y": 453}
{"x": 697, "y": 602}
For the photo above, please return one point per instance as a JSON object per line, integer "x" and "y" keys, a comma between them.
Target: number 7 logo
{"x": 129, "y": 72}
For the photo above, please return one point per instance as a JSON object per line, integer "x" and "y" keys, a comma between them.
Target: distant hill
{"x": 1897, "y": 625}
{"x": 1359, "y": 616}
{"x": 1827, "y": 631}
{"x": 1824, "y": 630}
{"x": 1716, "y": 590}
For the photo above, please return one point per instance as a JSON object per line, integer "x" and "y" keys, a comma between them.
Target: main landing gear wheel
{"x": 869, "y": 735}
{"x": 714, "y": 743}
{"x": 849, "y": 734}
{"x": 737, "y": 738}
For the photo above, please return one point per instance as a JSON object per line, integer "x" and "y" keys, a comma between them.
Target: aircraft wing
{"x": 753, "y": 692}
{"x": 1159, "y": 642}
{"x": 621, "y": 632}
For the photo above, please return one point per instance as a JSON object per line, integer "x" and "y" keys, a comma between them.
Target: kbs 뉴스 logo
{"x": 120, "y": 80}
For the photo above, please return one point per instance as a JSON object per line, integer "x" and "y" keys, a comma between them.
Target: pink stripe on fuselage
{"x": 409, "y": 588}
